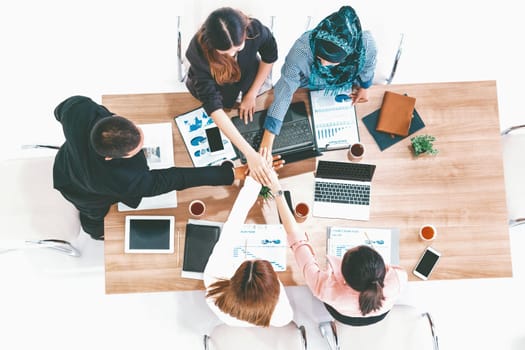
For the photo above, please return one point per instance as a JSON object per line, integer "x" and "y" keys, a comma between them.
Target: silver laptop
{"x": 342, "y": 190}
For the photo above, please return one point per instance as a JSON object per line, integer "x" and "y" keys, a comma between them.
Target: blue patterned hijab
{"x": 343, "y": 29}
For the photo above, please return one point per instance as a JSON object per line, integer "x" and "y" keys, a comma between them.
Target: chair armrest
{"x": 512, "y": 128}
{"x": 329, "y": 332}
{"x": 432, "y": 329}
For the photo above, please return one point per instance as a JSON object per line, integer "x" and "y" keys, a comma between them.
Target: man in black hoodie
{"x": 102, "y": 163}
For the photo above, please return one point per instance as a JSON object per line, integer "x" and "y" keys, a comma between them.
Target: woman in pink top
{"x": 359, "y": 289}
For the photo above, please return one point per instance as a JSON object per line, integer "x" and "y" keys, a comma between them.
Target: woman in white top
{"x": 250, "y": 294}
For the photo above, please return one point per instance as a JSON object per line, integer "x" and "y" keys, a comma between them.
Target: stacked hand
{"x": 260, "y": 166}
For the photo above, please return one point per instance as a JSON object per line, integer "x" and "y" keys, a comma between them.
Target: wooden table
{"x": 460, "y": 191}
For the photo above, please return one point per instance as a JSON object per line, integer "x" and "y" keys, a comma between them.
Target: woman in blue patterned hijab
{"x": 336, "y": 56}
{"x": 337, "y": 43}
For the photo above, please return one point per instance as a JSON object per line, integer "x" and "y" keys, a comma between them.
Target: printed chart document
{"x": 334, "y": 120}
{"x": 259, "y": 241}
{"x": 158, "y": 148}
{"x": 384, "y": 240}
{"x": 192, "y": 127}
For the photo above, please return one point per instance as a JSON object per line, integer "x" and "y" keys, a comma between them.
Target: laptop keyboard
{"x": 345, "y": 170}
{"x": 342, "y": 193}
{"x": 293, "y": 134}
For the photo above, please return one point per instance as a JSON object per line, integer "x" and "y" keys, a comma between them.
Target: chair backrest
{"x": 31, "y": 209}
{"x": 513, "y": 143}
{"x": 224, "y": 337}
{"x": 403, "y": 328}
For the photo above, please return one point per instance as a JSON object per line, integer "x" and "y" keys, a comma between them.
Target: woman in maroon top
{"x": 231, "y": 57}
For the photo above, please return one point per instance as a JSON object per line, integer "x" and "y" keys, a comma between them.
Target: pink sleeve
{"x": 313, "y": 276}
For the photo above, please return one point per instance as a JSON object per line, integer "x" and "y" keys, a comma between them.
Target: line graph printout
{"x": 259, "y": 241}
{"x": 334, "y": 120}
{"x": 384, "y": 240}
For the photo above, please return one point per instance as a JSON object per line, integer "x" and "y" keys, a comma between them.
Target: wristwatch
{"x": 278, "y": 194}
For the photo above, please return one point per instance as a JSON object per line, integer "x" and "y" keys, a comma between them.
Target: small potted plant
{"x": 265, "y": 193}
{"x": 423, "y": 144}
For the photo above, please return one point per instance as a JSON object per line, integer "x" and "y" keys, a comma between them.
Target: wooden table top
{"x": 460, "y": 191}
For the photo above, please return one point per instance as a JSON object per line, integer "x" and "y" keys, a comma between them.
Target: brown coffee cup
{"x": 427, "y": 233}
{"x": 356, "y": 152}
{"x": 197, "y": 208}
{"x": 301, "y": 211}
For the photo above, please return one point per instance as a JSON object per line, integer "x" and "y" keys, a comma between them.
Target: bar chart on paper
{"x": 334, "y": 120}
{"x": 266, "y": 242}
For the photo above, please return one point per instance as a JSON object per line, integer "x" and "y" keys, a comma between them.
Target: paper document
{"x": 384, "y": 240}
{"x": 266, "y": 242}
{"x": 192, "y": 127}
{"x": 158, "y": 148}
{"x": 334, "y": 120}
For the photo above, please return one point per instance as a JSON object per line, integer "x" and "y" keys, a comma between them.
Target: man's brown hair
{"x": 114, "y": 137}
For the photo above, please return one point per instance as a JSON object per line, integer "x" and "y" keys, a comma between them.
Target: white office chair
{"x": 389, "y": 50}
{"x": 224, "y": 337}
{"x": 403, "y": 328}
{"x": 513, "y": 142}
{"x": 32, "y": 212}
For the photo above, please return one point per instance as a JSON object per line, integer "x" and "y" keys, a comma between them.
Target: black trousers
{"x": 91, "y": 217}
{"x": 93, "y": 224}
{"x": 354, "y": 321}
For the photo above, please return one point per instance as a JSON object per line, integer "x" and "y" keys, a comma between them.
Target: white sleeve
{"x": 283, "y": 313}
{"x": 220, "y": 263}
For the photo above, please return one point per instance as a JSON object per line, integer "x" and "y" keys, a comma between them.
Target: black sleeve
{"x": 267, "y": 43}
{"x": 200, "y": 82}
{"x": 160, "y": 181}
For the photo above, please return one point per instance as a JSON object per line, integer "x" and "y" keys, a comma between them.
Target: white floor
{"x": 58, "y": 48}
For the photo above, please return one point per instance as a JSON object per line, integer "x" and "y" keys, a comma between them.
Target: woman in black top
{"x": 225, "y": 65}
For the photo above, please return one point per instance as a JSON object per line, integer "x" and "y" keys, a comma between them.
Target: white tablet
{"x": 149, "y": 234}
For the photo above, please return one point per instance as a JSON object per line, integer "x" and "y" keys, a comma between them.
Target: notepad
{"x": 384, "y": 240}
{"x": 200, "y": 239}
{"x": 395, "y": 114}
{"x": 384, "y": 140}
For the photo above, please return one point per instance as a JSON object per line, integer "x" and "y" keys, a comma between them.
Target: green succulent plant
{"x": 423, "y": 144}
{"x": 265, "y": 192}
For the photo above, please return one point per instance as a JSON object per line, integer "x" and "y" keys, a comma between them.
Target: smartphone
{"x": 213, "y": 135}
{"x": 426, "y": 263}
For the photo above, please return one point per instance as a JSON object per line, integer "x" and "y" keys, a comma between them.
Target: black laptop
{"x": 295, "y": 141}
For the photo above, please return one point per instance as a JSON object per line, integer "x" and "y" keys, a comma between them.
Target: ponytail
{"x": 364, "y": 271}
{"x": 371, "y": 299}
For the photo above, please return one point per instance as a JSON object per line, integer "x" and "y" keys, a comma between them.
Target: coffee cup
{"x": 427, "y": 233}
{"x": 356, "y": 151}
{"x": 301, "y": 211}
{"x": 197, "y": 208}
{"x": 229, "y": 162}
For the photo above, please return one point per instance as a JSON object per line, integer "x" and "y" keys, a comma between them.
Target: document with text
{"x": 158, "y": 149}
{"x": 334, "y": 120}
{"x": 384, "y": 240}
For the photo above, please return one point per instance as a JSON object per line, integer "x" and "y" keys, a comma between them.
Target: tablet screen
{"x": 149, "y": 234}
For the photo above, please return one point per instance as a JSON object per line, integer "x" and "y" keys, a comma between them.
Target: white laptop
{"x": 342, "y": 190}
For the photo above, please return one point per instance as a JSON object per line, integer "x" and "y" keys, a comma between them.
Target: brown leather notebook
{"x": 396, "y": 113}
